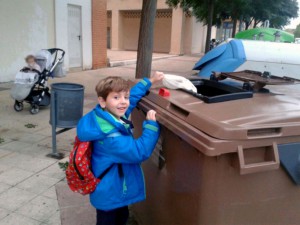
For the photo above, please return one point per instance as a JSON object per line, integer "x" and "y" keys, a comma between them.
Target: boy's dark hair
{"x": 110, "y": 84}
{"x": 29, "y": 57}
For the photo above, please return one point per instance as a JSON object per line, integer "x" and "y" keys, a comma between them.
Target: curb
{"x": 133, "y": 61}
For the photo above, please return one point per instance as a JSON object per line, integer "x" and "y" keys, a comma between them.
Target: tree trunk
{"x": 209, "y": 24}
{"x": 145, "y": 44}
{"x": 247, "y": 24}
{"x": 241, "y": 23}
{"x": 234, "y": 28}
{"x": 255, "y": 23}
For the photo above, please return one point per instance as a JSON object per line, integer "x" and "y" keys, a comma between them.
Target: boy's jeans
{"x": 117, "y": 216}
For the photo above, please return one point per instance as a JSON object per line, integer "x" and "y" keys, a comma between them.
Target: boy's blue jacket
{"x": 113, "y": 143}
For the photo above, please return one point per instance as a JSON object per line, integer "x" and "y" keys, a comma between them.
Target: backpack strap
{"x": 105, "y": 172}
{"x": 127, "y": 122}
{"x": 120, "y": 171}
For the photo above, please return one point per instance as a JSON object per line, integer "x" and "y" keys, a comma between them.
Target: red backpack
{"x": 79, "y": 176}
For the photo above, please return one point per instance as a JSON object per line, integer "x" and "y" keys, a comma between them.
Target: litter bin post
{"x": 54, "y": 153}
{"x": 66, "y": 110}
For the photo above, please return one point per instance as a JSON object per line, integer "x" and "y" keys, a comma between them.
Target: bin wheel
{"x": 34, "y": 109}
{"x": 18, "y": 106}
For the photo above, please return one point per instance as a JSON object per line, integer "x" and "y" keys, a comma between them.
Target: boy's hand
{"x": 157, "y": 76}
{"x": 151, "y": 115}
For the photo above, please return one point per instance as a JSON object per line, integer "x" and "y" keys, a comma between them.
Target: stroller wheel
{"x": 34, "y": 109}
{"x": 18, "y": 106}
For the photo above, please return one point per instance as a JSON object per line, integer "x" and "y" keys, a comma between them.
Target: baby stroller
{"x": 31, "y": 85}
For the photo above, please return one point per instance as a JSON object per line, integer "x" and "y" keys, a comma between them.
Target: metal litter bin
{"x": 66, "y": 109}
{"x": 219, "y": 163}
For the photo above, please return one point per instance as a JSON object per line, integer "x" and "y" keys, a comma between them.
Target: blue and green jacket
{"x": 113, "y": 144}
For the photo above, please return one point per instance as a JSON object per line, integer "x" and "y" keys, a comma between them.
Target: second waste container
{"x": 226, "y": 163}
{"x": 67, "y": 104}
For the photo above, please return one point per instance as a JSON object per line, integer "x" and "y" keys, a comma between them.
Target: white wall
{"x": 198, "y": 36}
{"x": 25, "y": 27}
{"x": 195, "y": 36}
{"x": 61, "y": 21}
{"x": 187, "y": 37}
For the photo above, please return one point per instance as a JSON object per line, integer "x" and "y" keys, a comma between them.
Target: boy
{"x": 116, "y": 154}
{"x": 31, "y": 63}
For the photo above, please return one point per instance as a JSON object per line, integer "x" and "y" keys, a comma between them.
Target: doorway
{"x": 108, "y": 38}
{"x": 74, "y": 36}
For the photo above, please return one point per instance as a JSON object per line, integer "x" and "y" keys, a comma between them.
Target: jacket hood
{"x": 97, "y": 124}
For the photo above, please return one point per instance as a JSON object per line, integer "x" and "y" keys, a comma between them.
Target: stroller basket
{"x": 58, "y": 70}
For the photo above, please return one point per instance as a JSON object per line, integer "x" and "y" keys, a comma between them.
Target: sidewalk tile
{"x": 15, "y": 198}
{"x": 26, "y": 162}
{"x": 53, "y": 171}
{"x": 66, "y": 158}
{"x": 32, "y": 138}
{"x": 46, "y": 131}
{"x": 4, "y": 153}
{"x": 14, "y": 176}
{"x": 5, "y": 141}
{"x": 10, "y": 134}
{"x": 53, "y": 220}
{"x": 4, "y": 187}
{"x": 16, "y": 219}
{"x": 63, "y": 144}
{"x": 50, "y": 193}
{"x": 4, "y": 213}
{"x": 15, "y": 145}
{"x": 41, "y": 208}
{"x": 37, "y": 184}
{"x": 4, "y": 168}
{"x": 69, "y": 199}
{"x": 36, "y": 151}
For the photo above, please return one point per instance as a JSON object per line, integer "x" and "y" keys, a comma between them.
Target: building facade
{"x": 175, "y": 32}
{"x": 76, "y": 26}
{"x": 85, "y": 28}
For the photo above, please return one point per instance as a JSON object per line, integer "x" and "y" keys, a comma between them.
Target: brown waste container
{"x": 220, "y": 163}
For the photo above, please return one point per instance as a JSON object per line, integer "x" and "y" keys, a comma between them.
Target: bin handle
{"x": 179, "y": 110}
{"x": 261, "y": 166}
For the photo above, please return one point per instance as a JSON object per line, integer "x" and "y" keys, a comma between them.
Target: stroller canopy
{"x": 44, "y": 59}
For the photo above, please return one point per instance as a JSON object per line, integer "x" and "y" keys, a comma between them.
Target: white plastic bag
{"x": 178, "y": 82}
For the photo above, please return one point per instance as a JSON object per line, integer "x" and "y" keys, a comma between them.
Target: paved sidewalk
{"x": 123, "y": 58}
{"x": 28, "y": 178}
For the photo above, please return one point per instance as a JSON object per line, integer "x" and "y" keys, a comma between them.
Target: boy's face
{"x": 116, "y": 103}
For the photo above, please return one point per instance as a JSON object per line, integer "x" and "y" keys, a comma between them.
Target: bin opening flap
{"x": 290, "y": 159}
{"x": 259, "y": 79}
